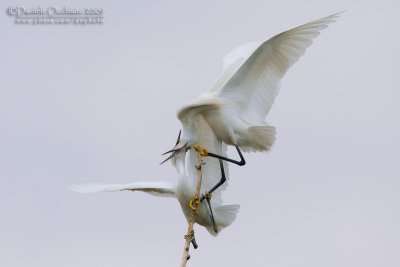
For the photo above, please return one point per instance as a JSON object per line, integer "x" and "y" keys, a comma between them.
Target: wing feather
{"x": 154, "y": 188}
{"x": 233, "y": 61}
{"x": 254, "y": 84}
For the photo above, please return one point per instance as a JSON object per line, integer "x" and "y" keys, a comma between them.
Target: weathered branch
{"x": 189, "y": 237}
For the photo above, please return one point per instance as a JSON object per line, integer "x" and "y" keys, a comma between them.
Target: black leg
{"x": 240, "y": 163}
{"x": 207, "y": 195}
{"x": 223, "y": 179}
{"x": 211, "y": 214}
{"x": 194, "y": 243}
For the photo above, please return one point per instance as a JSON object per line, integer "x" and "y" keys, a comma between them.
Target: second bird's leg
{"x": 194, "y": 243}
{"x": 211, "y": 214}
{"x": 207, "y": 195}
{"x": 223, "y": 179}
{"x": 221, "y": 165}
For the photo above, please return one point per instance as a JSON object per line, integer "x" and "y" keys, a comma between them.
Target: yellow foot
{"x": 190, "y": 236}
{"x": 207, "y": 196}
{"x": 193, "y": 203}
{"x": 201, "y": 150}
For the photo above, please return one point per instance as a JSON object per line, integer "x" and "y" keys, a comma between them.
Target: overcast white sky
{"x": 97, "y": 103}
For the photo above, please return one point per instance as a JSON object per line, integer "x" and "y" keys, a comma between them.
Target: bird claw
{"x": 192, "y": 239}
{"x": 190, "y": 236}
{"x": 193, "y": 203}
{"x": 207, "y": 196}
{"x": 201, "y": 150}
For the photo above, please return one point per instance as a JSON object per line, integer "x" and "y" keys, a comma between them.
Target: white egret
{"x": 236, "y": 106}
{"x": 232, "y": 113}
{"x": 213, "y": 217}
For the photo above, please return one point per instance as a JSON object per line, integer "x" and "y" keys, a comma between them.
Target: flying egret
{"x": 213, "y": 217}
{"x": 236, "y": 106}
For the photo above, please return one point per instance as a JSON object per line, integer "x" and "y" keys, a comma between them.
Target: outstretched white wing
{"x": 155, "y": 188}
{"x": 252, "y": 76}
{"x": 232, "y": 62}
{"x": 211, "y": 171}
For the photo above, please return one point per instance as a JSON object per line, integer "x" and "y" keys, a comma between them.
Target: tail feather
{"x": 258, "y": 138}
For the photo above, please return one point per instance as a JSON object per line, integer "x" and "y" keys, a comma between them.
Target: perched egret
{"x": 213, "y": 216}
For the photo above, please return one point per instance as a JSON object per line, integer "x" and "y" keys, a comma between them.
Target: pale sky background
{"x": 97, "y": 103}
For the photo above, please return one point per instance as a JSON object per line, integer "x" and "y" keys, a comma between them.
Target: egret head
{"x": 177, "y": 149}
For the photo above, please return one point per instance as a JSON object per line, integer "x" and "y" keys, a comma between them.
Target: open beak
{"x": 170, "y": 157}
{"x": 175, "y": 149}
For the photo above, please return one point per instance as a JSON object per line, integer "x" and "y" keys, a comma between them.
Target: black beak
{"x": 169, "y": 151}
{"x": 175, "y": 149}
{"x": 170, "y": 157}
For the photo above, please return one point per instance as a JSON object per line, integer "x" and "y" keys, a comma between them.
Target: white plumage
{"x": 236, "y": 107}
{"x": 185, "y": 187}
{"x": 155, "y": 188}
{"x": 232, "y": 113}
